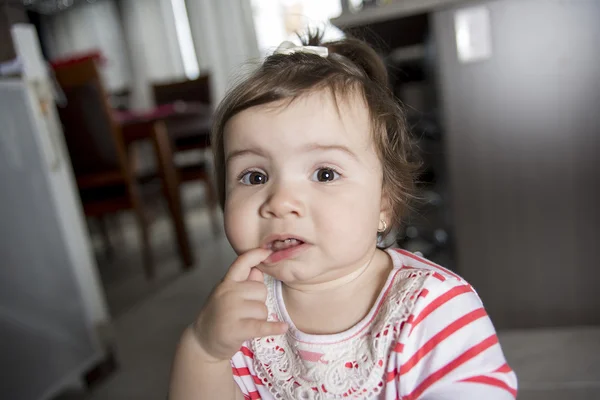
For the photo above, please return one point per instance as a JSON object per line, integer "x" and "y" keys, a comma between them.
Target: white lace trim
{"x": 353, "y": 368}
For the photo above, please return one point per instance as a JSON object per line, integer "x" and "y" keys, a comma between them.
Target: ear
{"x": 385, "y": 210}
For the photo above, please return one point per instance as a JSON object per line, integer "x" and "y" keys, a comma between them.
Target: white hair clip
{"x": 288, "y": 48}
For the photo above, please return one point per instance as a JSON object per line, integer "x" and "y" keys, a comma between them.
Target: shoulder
{"x": 406, "y": 260}
{"x": 448, "y": 344}
{"x": 437, "y": 279}
{"x": 437, "y": 296}
{"x": 446, "y": 314}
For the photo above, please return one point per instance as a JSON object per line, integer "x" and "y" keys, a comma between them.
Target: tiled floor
{"x": 555, "y": 363}
{"x": 147, "y": 333}
{"x": 121, "y": 270}
{"x": 551, "y": 364}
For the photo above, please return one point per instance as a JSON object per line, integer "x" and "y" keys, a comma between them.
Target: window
{"x": 278, "y": 20}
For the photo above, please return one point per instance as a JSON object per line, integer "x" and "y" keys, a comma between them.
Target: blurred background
{"x": 110, "y": 233}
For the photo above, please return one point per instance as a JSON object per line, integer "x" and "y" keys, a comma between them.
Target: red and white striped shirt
{"x": 426, "y": 337}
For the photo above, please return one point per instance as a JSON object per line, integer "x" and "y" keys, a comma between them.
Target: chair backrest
{"x": 196, "y": 90}
{"x": 120, "y": 99}
{"x": 92, "y": 135}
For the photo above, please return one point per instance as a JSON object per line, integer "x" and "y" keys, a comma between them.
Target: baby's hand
{"x": 236, "y": 310}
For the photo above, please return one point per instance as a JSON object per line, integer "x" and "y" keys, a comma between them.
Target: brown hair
{"x": 352, "y": 67}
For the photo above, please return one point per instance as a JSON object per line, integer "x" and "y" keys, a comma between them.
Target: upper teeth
{"x": 281, "y": 244}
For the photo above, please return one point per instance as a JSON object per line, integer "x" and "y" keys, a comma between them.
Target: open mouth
{"x": 280, "y": 245}
{"x": 285, "y": 247}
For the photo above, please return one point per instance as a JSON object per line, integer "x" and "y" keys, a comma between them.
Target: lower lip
{"x": 285, "y": 254}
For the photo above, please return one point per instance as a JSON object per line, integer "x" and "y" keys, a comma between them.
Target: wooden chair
{"x": 102, "y": 168}
{"x": 192, "y": 133}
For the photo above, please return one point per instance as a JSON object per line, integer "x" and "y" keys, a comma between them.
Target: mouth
{"x": 284, "y": 246}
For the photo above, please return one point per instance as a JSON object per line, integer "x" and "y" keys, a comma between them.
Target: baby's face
{"x": 305, "y": 181}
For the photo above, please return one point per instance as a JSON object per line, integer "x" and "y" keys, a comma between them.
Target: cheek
{"x": 240, "y": 227}
{"x": 351, "y": 221}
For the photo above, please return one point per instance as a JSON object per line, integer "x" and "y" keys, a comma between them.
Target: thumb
{"x": 256, "y": 275}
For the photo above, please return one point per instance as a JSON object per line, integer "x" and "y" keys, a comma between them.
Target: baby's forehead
{"x": 320, "y": 115}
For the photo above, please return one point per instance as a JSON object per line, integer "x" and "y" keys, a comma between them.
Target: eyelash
{"x": 335, "y": 171}
{"x": 247, "y": 171}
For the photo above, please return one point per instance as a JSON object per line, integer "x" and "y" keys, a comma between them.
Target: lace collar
{"x": 348, "y": 365}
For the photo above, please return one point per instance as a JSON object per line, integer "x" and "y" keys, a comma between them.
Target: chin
{"x": 285, "y": 266}
{"x": 288, "y": 271}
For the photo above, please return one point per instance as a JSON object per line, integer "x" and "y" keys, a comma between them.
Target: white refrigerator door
{"x": 47, "y": 337}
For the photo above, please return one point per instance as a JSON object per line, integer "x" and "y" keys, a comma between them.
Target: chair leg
{"x": 211, "y": 199}
{"x": 171, "y": 183}
{"x": 144, "y": 226}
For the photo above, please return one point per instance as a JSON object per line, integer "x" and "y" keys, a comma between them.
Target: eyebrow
{"x": 332, "y": 147}
{"x": 244, "y": 152}
{"x": 306, "y": 149}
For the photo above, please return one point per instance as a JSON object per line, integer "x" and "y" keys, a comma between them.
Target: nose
{"x": 283, "y": 200}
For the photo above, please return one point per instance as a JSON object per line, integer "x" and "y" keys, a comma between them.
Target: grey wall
{"x": 11, "y": 12}
{"x": 523, "y": 142}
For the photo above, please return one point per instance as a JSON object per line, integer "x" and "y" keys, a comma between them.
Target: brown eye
{"x": 254, "y": 178}
{"x": 325, "y": 175}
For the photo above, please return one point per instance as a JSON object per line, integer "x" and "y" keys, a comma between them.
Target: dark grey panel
{"x": 523, "y": 148}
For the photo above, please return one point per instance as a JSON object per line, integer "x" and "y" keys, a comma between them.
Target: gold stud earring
{"x": 381, "y": 230}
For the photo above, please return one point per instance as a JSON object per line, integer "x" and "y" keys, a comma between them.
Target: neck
{"x": 341, "y": 285}
{"x": 337, "y": 304}
{"x": 334, "y": 284}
